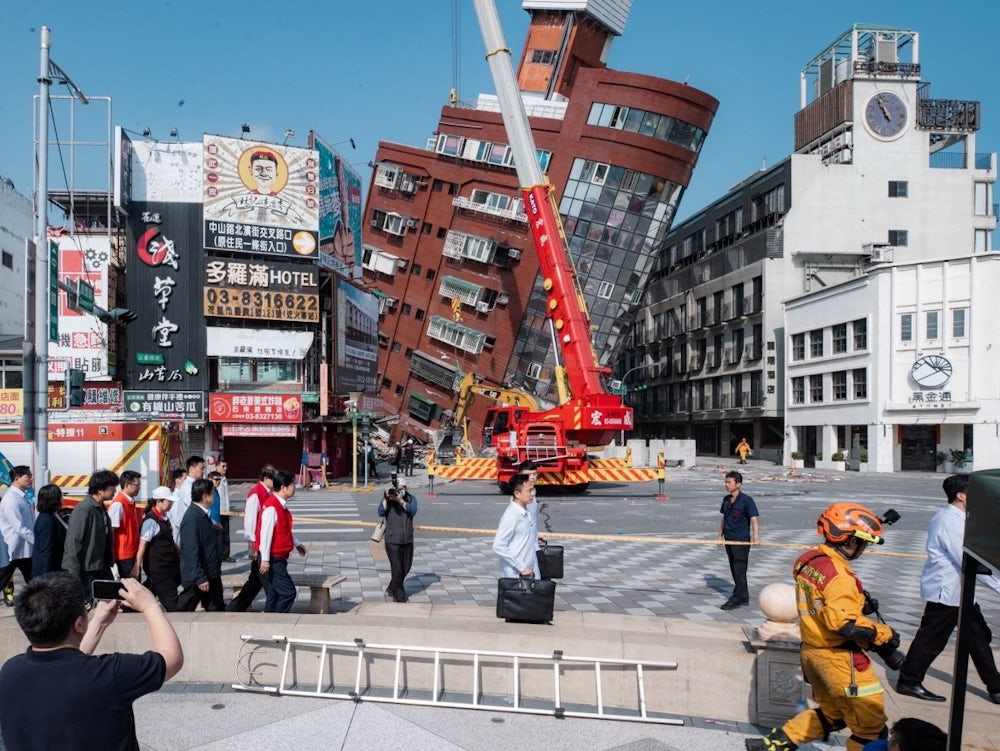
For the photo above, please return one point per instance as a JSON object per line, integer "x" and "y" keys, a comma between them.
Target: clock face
{"x": 931, "y": 371}
{"x": 886, "y": 115}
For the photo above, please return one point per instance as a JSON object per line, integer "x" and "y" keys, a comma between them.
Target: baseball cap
{"x": 162, "y": 493}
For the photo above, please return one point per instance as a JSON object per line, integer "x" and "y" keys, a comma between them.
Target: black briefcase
{"x": 550, "y": 562}
{"x": 523, "y": 599}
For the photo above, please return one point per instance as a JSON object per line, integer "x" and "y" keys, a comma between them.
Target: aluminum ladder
{"x": 423, "y": 676}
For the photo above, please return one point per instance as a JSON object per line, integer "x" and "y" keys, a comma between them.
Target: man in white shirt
{"x": 195, "y": 471}
{"x": 275, "y": 540}
{"x": 17, "y": 525}
{"x": 941, "y": 587}
{"x": 224, "y": 510}
{"x": 251, "y": 509}
{"x": 516, "y": 538}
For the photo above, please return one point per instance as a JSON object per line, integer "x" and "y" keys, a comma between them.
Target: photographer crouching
{"x": 398, "y": 508}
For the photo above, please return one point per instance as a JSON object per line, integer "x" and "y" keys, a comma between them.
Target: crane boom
{"x": 565, "y": 306}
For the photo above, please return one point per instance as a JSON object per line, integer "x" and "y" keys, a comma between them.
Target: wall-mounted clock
{"x": 886, "y": 115}
{"x": 931, "y": 371}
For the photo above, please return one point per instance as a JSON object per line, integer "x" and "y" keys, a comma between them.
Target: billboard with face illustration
{"x": 260, "y": 198}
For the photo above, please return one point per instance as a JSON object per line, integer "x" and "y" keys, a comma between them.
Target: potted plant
{"x": 798, "y": 460}
{"x": 863, "y": 461}
{"x": 837, "y": 461}
{"x": 958, "y": 458}
{"x": 945, "y": 462}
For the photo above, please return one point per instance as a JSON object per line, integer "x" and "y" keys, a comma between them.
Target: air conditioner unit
{"x": 483, "y": 307}
{"x": 412, "y": 222}
{"x": 503, "y": 299}
{"x": 374, "y": 223}
{"x": 390, "y": 303}
{"x": 401, "y": 263}
{"x": 513, "y": 253}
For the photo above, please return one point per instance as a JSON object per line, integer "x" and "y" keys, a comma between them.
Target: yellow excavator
{"x": 473, "y": 385}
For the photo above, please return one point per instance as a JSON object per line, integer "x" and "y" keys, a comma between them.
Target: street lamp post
{"x": 623, "y": 380}
{"x": 48, "y": 72}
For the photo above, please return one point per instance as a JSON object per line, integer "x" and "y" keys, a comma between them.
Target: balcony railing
{"x": 462, "y": 202}
{"x": 960, "y": 160}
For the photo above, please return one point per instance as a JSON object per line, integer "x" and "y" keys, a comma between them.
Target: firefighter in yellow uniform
{"x": 836, "y": 635}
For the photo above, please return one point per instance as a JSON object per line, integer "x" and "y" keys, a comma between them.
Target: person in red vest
{"x": 275, "y": 541}
{"x": 251, "y": 510}
{"x": 125, "y": 524}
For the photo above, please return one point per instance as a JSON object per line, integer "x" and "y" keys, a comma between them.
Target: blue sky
{"x": 349, "y": 70}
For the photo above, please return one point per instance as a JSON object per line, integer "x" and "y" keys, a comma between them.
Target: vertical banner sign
{"x": 357, "y": 340}
{"x": 260, "y": 198}
{"x": 166, "y": 344}
{"x": 83, "y": 341}
{"x": 53, "y": 291}
{"x": 339, "y": 213}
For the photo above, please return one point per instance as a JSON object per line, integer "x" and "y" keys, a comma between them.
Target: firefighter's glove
{"x": 891, "y": 654}
{"x": 871, "y": 604}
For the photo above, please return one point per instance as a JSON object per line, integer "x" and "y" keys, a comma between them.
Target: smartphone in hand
{"x": 104, "y": 589}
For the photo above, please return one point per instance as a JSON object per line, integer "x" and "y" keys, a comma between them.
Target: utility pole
{"x": 41, "y": 406}
{"x": 48, "y": 73}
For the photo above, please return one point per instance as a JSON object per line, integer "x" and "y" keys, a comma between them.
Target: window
{"x": 860, "y": 327}
{"x": 839, "y": 382}
{"x": 816, "y": 343}
{"x": 386, "y": 383}
{"x": 8, "y": 260}
{"x": 605, "y": 290}
{"x": 416, "y": 269}
{"x": 860, "y": 383}
{"x": 840, "y": 338}
{"x": 395, "y": 346}
{"x": 958, "y": 323}
{"x": 442, "y": 233}
{"x": 431, "y": 273}
{"x": 898, "y": 237}
{"x": 981, "y": 240}
{"x": 425, "y": 228}
{"x": 419, "y": 315}
{"x": 543, "y": 57}
{"x": 932, "y": 324}
{"x": 816, "y": 388}
{"x": 798, "y": 390}
{"x": 406, "y": 309}
{"x": 906, "y": 327}
{"x": 798, "y": 346}
{"x": 982, "y": 199}
{"x": 898, "y": 189}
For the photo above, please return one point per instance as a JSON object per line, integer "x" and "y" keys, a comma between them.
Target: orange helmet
{"x": 842, "y": 521}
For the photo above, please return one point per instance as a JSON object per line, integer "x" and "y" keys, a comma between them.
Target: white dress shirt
{"x": 17, "y": 524}
{"x": 516, "y": 541}
{"x": 941, "y": 579}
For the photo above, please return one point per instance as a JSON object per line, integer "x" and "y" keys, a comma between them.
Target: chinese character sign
{"x": 255, "y": 408}
{"x": 261, "y": 290}
{"x": 260, "y": 198}
{"x": 83, "y": 339}
{"x": 166, "y": 344}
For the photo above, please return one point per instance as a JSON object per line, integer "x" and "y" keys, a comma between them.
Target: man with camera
{"x": 837, "y": 635}
{"x": 398, "y": 508}
{"x": 87, "y": 699}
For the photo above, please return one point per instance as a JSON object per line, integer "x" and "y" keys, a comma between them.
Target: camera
{"x": 395, "y": 480}
{"x": 392, "y": 492}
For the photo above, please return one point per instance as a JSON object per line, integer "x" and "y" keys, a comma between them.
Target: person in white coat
{"x": 17, "y": 525}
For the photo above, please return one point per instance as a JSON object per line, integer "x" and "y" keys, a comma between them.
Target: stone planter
{"x": 830, "y": 464}
{"x": 948, "y": 468}
{"x": 796, "y": 463}
{"x": 863, "y": 467}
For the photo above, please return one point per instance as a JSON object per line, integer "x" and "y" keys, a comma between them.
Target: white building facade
{"x": 760, "y": 301}
{"x": 16, "y": 221}
{"x": 898, "y": 368}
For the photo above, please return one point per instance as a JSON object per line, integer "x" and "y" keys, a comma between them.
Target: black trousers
{"x": 936, "y": 627}
{"x": 164, "y": 585}
{"x": 211, "y": 600}
{"x": 226, "y": 549}
{"x": 7, "y": 572}
{"x": 248, "y": 593}
{"x": 400, "y": 560}
{"x": 739, "y": 559}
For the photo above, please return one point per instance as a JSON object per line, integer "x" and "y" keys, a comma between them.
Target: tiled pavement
{"x": 663, "y": 578}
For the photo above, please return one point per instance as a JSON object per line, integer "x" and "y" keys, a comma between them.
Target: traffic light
{"x": 74, "y": 387}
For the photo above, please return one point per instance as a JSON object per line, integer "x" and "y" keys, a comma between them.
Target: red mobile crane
{"x": 587, "y": 415}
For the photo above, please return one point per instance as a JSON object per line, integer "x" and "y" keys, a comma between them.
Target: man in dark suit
{"x": 201, "y": 553}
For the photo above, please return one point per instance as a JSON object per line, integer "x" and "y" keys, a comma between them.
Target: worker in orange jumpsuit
{"x": 743, "y": 449}
{"x": 836, "y": 636}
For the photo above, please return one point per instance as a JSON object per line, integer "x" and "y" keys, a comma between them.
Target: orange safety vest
{"x": 126, "y": 533}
